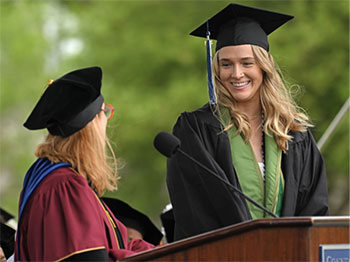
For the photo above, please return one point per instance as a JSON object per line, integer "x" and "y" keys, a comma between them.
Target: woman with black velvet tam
{"x": 61, "y": 216}
{"x": 251, "y": 134}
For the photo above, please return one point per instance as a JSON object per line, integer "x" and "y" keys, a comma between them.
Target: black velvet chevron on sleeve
{"x": 94, "y": 255}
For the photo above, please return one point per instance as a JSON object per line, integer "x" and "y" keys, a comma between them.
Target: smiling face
{"x": 240, "y": 73}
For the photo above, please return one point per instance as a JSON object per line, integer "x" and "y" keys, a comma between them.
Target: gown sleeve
{"x": 201, "y": 202}
{"x": 306, "y": 192}
{"x": 131, "y": 247}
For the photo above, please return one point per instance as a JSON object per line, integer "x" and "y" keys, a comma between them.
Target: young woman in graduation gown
{"x": 254, "y": 136}
{"x": 61, "y": 216}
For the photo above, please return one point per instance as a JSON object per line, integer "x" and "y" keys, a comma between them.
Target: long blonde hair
{"x": 281, "y": 114}
{"x": 86, "y": 151}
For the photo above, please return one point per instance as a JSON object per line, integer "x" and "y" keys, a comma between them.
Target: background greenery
{"x": 153, "y": 70}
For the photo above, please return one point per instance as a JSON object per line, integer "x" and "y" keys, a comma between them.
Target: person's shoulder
{"x": 64, "y": 173}
{"x": 301, "y": 136}
{"x": 205, "y": 115}
{"x": 63, "y": 186}
{"x": 203, "y": 110}
{"x": 64, "y": 176}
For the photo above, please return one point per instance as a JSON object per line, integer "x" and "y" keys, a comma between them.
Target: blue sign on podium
{"x": 335, "y": 253}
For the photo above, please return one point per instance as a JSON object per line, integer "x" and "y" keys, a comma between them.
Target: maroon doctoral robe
{"x": 64, "y": 217}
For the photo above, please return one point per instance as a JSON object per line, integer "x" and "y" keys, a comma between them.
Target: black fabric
{"x": 94, "y": 255}
{"x": 168, "y": 223}
{"x": 69, "y": 103}
{"x": 202, "y": 203}
{"x": 238, "y": 24}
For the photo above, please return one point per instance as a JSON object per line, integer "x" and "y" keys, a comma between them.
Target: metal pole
{"x": 333, "y": 124}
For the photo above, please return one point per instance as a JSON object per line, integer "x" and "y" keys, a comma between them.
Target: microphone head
{"x": 167, "y": 144}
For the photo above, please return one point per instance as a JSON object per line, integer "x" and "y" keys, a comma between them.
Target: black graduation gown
{"x": 201, "y": 202}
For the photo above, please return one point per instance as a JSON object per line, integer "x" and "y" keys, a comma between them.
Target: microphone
{"x": 168, "y": 145}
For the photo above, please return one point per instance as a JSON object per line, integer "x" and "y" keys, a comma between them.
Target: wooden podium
{"x": 270, "y": 239}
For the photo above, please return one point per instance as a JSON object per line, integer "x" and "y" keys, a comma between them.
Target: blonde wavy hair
{"x": 281, "y": 114}
{"x": 86, "y": 151}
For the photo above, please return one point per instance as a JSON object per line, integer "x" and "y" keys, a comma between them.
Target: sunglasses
{"x": 108, "y": 110}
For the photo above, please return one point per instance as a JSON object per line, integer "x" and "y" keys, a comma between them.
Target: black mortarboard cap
{"x": 132, "y": 218}
{"x": 5, "y": 216}
{"x": 8, "y": 219}
{"x": 69, "y": 103}
{"x": 239, "y": 24}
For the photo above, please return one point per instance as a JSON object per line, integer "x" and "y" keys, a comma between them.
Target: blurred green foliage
{"x": 153, "y": 70}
